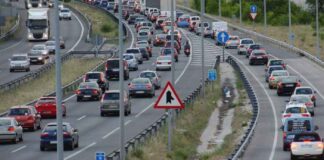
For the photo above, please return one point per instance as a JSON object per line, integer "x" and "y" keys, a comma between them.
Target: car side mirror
{"x": 316, "y": 127}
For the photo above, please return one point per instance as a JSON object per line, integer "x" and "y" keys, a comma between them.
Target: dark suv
{"x": 99, "y": 78}
{"x": 112, "y": 69}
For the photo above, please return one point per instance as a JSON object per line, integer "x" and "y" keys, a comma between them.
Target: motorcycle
{"x": 187, "y": 52}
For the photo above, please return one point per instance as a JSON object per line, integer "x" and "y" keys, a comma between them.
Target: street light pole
{"x": 220, "y": 8}
{"x": 289, "y": 16}
{"x": 58, "y": 88}
{"x": 318, "y": 48}
{"x": 265, "y": 14}
{"x": 202, "y": 10}
{"x": 240, "y": 11}
{"x": 121, "y": 82}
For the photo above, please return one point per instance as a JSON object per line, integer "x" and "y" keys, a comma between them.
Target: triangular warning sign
{"x": 253, "y": 15}
{"x": 168, "y": 99}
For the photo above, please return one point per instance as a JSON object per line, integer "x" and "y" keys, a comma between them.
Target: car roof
{"x": 246, "y": 39}
{"x": 148, "y": 71}
{"x": 304, "y": 87}
{"x": 14, "y": 107}
{"x": 93, "y": 72}
{"x": 113, "y": 91}
{"x": 54, "y": 123}
{"x": 20, "y": 54}
{"x": 299, "y": 95}
{"x": 301, "y": 105}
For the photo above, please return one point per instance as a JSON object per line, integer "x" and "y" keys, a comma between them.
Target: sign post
{"x": 253, "y": 13}
{"x": 223, "y": 37}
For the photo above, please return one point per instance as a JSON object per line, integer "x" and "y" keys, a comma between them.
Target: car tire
{"x": 292, "y": 157}
{"x": 279, "y": 94}
{"x": 78, "y": 99}
{"x": 21, "y": 138}
{"x": 71, "y": 146}
{"x": 251, "y": 63}
{"x": 270, "y": 87}
{"x": 28, "y": 69}
{"x": 77, "y": 144}
{"x": 64, "y": 114}
{"x": 42, "y": 148}
{"x": 102, "y": 114}
{"x": 11, "y": 70}
{"x": 15, "y": 140}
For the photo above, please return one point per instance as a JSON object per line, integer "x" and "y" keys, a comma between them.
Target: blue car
{"x": 103, "y": 4}
{"x": 110, "y": 6}
{"x": 183, "y": 24}
{"x": 48, "y": 137}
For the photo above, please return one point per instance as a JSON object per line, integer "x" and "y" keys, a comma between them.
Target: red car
{"x": 27, "y": 116}
{"x": 46, "y": 106}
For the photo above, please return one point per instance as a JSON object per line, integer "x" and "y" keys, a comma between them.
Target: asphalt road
{"x": 267, "y": 140}
{"x": 102, "y": 133}
{"x": 73, "y": 32}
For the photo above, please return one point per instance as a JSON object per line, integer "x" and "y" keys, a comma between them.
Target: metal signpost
{"x": 318, "y": 48}
{"x": 253, "y": 14}
{"x": 223, "y": 37}
{"x": 170, "y": 112}
{"x": 202, "y": 10}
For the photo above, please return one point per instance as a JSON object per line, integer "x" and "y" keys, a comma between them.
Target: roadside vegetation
{"x": 45, "y": 84}
{"x": 103, "y": 24}
{"x": 303, "y": 21}
{"x": 186, "y": 136}
{"x": 10, "y": 22}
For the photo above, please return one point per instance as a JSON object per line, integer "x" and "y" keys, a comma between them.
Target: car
{"x": 159, "y": 23}
{"x": 137, "y": 53}
{"x": 304, "y": 99}
{"x": 110, "y": 103}
{"x": 138, "y": 20}
{"x": 88, "y": 91}
{"x": 132, "y": 18}
{"x": 46, "y": 107}
{"x": 208, "y": 32}
{"x": 19, "y": 62}
{"x": 167, "y": 51}
{"x": 294, "y": 126}
{"x": 253, "y": 47}
{"x": 65, "y": 13}
{"x": 244, "y": 43}
{"x": 146, "y": 45}
{"x": 258, "y": 57}
{"x": 50, "y": 45}
{"x": 168, "y": 44}
{"x": 275, "y": 62}
{"x": 274, "y": 77}
{"x": 294, "y": 110}
{"x": 306, "y": 146}
{"x": 103, "y": 3}
{"x": 163, "y": 63}
{"x": 48, "y": 137}
{"x": 287, "y": 85}
{"x": 193, "y": 20}
{"x": 144, "y": 36}
{"x": 141, "y": 86}
{"x": 10, "y": 130}
{"x": 98, "y": 77}
{"x": 179, "y": 14}
{"x": 270, "y": 70}
{"x": 167, "y": 26}
{"x": 153, "y": 76}
{"x": 176, "y": 32}
{"x": 144, "y": 53}
{"x": 131, "y": 61}
{"x": 175, "y": 37}
{"x": 110, "y": 6}
{"x": 41, "y": 48}
{"x": 306, "y": 90}
{"x": 159, "y": 40}
{"x": 183, "y": 21}
{"x": 27, "y": 116}
{"x": 153, "y": 16}
{"x": 62, "y": 42}
{"x": 112, "y": 69}
{"x": 197, "y": 28}
{"x": 60, "y": 6}
{"x": 232, "y": 42}
{"x": 36, "y": 57}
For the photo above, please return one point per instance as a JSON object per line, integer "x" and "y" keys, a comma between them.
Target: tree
{"x": 312, "y": 6}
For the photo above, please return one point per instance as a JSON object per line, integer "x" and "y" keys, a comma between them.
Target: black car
{"x": 287, "y": 85}
{"x": 98, "y": 77}
{"x": 48, "y": 137}
{"x": 131, "y": 19}
{"x": 112, "y": 69}
{"x": 144, "y": 53}
{"x": 88, "y": 91}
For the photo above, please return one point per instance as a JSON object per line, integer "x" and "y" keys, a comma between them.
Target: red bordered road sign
{"x": 168, "y": 99}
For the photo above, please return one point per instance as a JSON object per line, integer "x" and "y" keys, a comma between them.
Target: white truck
{"x": 35, "y": 3}
{"x": 38, "y": 24}
{"x": 219, "y": 27}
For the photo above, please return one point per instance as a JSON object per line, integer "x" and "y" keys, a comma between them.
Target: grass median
{"x": 45, "y": 84}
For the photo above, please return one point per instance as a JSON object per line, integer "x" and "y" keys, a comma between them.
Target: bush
{"x": 106, "y": 28}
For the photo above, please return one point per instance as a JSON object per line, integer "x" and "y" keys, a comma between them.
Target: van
{"x": 112, "y": 69}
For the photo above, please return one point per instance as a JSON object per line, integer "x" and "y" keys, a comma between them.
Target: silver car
{"x": 110, "y": 103}
{"x": 131, "y": 61}
{"x": 42, "y": 48}
{"x": 153, "y": 76}
{"x": 141, "y": 86}
{"x": 36, "y": 57}
{"x": 244, "y": 44}
{"x": 50, "y": 45}
{"x": 304, "y": 99}
{"x": 10, "y": 130}
{"x": 19, "y": 62}
{"x": 137, "y": 53}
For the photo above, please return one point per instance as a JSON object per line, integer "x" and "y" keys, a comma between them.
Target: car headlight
{"x": 39, "y": 5}
{"x": 45, "y": 35}
{"x": 40, "y": 58}
{"x": 29, "y": 5}
{"x": 30, "y": 35}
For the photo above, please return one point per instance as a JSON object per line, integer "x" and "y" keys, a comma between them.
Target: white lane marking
{"x": 132, "y": 44}
{"x": 69, "y": 98}
{"x": 81, "y": 150}
{"x": 127, "y": 122}
{"x": 82, "y": 117}
{"x": 110, "y": 133}
{"x": 11, "y": 46}
{"x": 82, "y": 32}
{"x": 18, "y": 149}
{"x": 148, "y": 107}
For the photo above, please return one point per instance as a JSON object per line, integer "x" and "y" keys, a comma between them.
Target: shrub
{"x": 106, "y": 28}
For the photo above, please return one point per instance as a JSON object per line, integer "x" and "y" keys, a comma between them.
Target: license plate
{"x": 47, "y": 112}
{"x": 306, "y": 146}
{"x": 289, "y": 85}
{"x": 139, "y": 91}
{"x": 259, "y": 57}
{"x": 113, "y": 106}
{"x": 291, "y": 136}
{"x": 33, "y": 60}
{"x": 115, "y": 70}
{"x": 86, "y": 96}
{"x": 53, "y": 142}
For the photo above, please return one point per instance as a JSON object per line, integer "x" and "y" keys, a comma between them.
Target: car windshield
{"x": 303, "y": 99}
{"x": 276, "y": 62}
{"x": 38, "y": 48}
{"x": 279, "y": 73}
{"x": 111, "y": 96}
{"x": 139, "y": 19}
{"x": 147, "y": 74}
{"x": 289, "y": 80}
{"x": 132, "y": 51}
{"x": 304, "y": 91}
{"x": 275, "y": 68}
{"x": 296, "y": 110}
{"x": 298, "y": 125}
{"x": 128, "y": 57}
{"x": 140, "y": 81}
{"x": 143, "y": 33}
{"x": 19, "y": 58}
{"x": 5, "y": 122}
{"x": 19, "y": 111}
{"x": 34, "y": 53}
{"x": 52, "y": 128}
{"x": 92, "y": 76}
{"x": 307, "y": 137}
{"x": 65, "y": 10}
{"x": 167, "y": 51}
{"x": 88, "y": 85}
{"x": 259, "y": 53}
{"x": 142, "y": 43}
{"x": 247, "y": 41}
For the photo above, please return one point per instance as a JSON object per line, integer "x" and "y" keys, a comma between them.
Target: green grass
{"x": 71, "y": 70}
{"x": 186, "y": 137}
{"x": 10, "y": 22}
{"x": 103, "y": 24}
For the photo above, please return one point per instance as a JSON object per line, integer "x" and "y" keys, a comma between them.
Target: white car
{"x": 137, "y": 53}
{"x": 307, "y": 145}
{"x": 306, "y": 91}
{"x": 19, "y": 62}
{"x": 131, "y": 61}
{"x": 232, "y": 42}
{"x": 60, "y": 6}
{"x": 295, "y": 99}
{"x": 10, "y": 130}
{"x": 295, "y": 111}
{"x": 244, "y": 44}
{"x": 65, "y": 13}
{"x": 42, "y": 48}
{"x": 163, "y": 63}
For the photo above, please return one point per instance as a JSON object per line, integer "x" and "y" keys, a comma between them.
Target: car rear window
{"x": 276, "y": 62}
{"x": 275, "y": 68}
{"x": 132, "y": 51}
{"x": 164, "y": 58}
{"x": 259, "y": 53}
{"x": 307, "y": 137}
{"x": 92, "y": 76}
{"x": 298, "y": 125}
{"x": 140, "y": 81}
{"x": 19, "y": 111}
{"x": 274, "y": 73}
{"x": 88, "y": 85}
{"x": 112, "y": 64}
{"x": 255, "y": 46}
{"x": 167, "y": 51}
{"x": 304, "y": 91}
{"x": 300, "y": 99}
{"x": 5, "y": 122}
{"x": 247, "y": 42}
{"x": 128, "y": 57}
{"x": 47, "y": 100}
{"x": 296, "y": 110}
{"x": 147, "y": 74}
{"x": 111, "y": 96}
{"x": 51, "y": 128}
{"x": 19, "y": 58}
{"x": 289, "y": 80}
{"x": 233, "y": 38}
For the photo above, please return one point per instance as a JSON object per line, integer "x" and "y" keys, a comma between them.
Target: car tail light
{"x": 313, "y": 98}
{"x": 106, "y": 67}
{"x": 77, "y": 92}
{"x": 169, "y": 62}
{"x": 308, "y": 104}
{"x": 44, "y": 135}
{"x": 11, "y": 129}
{"x": 320, "y": 145}
{"x": 298, "y": 84}
{"x": 66, "y": 135}
{"x": 305, "y": 115}
{"x": 293, "y": 146}
{"x": 284, "y": 135}
{"x": 148, "y": 86}
{"x": 94, "y": 91}
{"x": 271, "y": 78}
{"x": 286, "y": 115}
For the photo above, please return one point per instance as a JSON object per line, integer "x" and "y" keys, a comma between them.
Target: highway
{"x": 102, "y": 133}
{"x": 74, "y": 33}
{"x": 267, "y": 140}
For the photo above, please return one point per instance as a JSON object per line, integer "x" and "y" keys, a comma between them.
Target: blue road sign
{"x": 212, "y": 75}
{"x": 222, "y": 37}
{"x": 100, "y": 156}
{"x": 253, "y": 8}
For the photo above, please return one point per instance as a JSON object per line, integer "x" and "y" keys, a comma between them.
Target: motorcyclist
{"x": 187, "y": 47}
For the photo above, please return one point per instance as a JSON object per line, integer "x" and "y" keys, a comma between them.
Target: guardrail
{"x": 12, "y": 30}
{"x": 262, "y": 37}
{"x": 240, "y": 148}
{"x": 154, "y": 128}
{"x": 71, "y": 87}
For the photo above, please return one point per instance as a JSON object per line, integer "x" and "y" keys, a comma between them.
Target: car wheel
{"x": 64, "y": 114}
{"x": 15, "y": 140}
{"x": 28, "y": 69}
{"x": 270, "y": 87}
{"x": 77, "y": 144}
{"x": 42, "y": 148}
{"x": 292, "y": 157}
{"x": 11, "y": 70}
{"x": 250, "y": 63}
{"x": 71, "y": 146}
{"x": 279, "y": 94}
{"x": 21, "y": 138}
{"x": 78, "y": 99}
{"x": 102, "y": 114}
